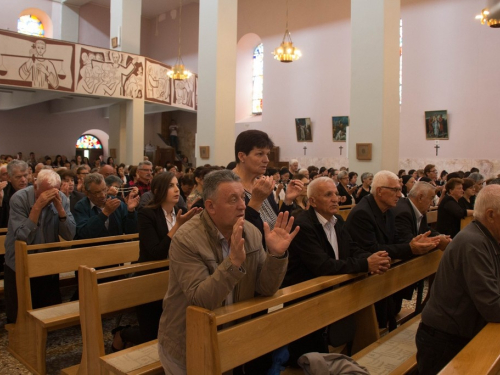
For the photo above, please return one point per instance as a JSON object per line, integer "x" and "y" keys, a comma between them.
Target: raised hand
{"x": 293, "y": 189}
{"x": 110, "y": 206}
{"x": 278, "y": 240}
{"x": 237, "y": 254}
{"x": 46, "y": 197}
{"x": 181, "y": 219}
{"x": 422, "y": 243}
{"x": 133, "y": 201}
{"x": 379, "y": 262}
{"x": 261, "y": 189}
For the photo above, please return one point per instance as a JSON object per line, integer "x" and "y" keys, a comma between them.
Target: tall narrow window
{"x": 30, "y": 25}
{"x": 400, "y": 59}
{"x": 258, "y": 79}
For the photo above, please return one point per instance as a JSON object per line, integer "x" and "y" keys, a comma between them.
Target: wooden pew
{"x": 28, "y": 336}
{"x": 466, "y": 221}
{"x": 97, "y": 300}
{"x": 344, "y": 211}
{"x": 213, "y": 349}
{"x": 3, "y": 230}
{"x": 480, "y": 356}
{"x": 432, "y": 217}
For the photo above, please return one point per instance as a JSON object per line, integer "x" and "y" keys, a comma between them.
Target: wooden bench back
{"x": 466, "y": 221}
{"x": 3, "y": 230}
{"x": 98, "y": 299}
{"x": 480, "y": 356}
{"x": 344, "y": 213}
{"x": 2, "y": 244}
{"x": 30, "y": 265}
{"x": 211, "y": 350}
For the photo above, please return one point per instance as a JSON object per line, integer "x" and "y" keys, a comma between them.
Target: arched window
{"x": 88, "y": 141}
{"x": 30, "y": 25}
{"x": 257, "y": 78}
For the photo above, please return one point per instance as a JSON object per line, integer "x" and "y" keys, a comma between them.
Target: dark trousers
{"x": 148, "y": 317}
{"x": 435, "y": 349}
{"x": 44, "y": 292}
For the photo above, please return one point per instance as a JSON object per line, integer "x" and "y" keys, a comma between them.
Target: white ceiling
{"x": 150, "y": 8}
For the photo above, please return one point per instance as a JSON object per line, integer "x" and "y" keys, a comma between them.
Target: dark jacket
{"x": 154, "y": 242}
{"x": 74, "y": 198}
{"x": 406, "y": 221}
{"x": 90, "y": 224}
{"x": 450, "y": 213}
{"x": 374, "y": 231}
{"x": 311, "y": 255}
{"x": 343, "y": 193}
{"x": 8, "y": 192}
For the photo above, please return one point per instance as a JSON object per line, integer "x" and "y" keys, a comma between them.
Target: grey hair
{"x": 50, "y": 177}
{"x": 366, "y": 175}
{"x": 16, "y": 165}
{"x": 421, "y": 187}
{"x": 92, "y": 178}
{"x": 303, "y": 171}
{"x": 145, "y": 162}
{"x": 342, "y": 174}
{"x": 476, "y": 176}
{"x": 312, "y": 187}
{"x": 213, "y": 179}
{"x": 487, "y": 198}
{"x": 294, "y": 161}
{"x": 110, "y": 180}
{"x": 381, "y": 178}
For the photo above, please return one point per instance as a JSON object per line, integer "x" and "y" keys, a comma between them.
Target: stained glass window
{"x": 30, "y": 25}
{"x": 400, "y": 59}
{"x": 88, "y": 141}
{"x": 258, "y": 79}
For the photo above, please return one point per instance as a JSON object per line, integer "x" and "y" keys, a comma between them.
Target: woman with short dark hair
{"x": 450, "y": 213}
{"x": 251, "y": 150}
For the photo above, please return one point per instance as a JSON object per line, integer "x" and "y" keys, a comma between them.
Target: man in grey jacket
{"x": 465, "y": 295}
{"x": 217, "y": 258}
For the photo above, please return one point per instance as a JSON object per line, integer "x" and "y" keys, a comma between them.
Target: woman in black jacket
{"x": 158, "y": 223}
{"x": 450, "y": 213}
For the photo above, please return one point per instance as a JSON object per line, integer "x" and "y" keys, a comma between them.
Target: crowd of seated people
{"x": 79, "y": 201}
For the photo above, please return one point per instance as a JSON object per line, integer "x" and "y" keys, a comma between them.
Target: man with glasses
{"x": 17, "y": 177}
{"x": 372, "y": 225}
{"x": 98, "y": 215}
{"x": 144, "y": 177}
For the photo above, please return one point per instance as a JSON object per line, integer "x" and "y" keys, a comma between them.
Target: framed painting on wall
{"x": 339, "y": 128}
{"x": 303, "y": 129}
{"x": 436, "y": 125}
{"x": 364, "y": 151}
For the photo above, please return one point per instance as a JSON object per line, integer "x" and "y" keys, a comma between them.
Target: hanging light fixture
{"x": 487, "y": 19}
{"x": 179, "y": 71}
{"x": 286, "y": 52}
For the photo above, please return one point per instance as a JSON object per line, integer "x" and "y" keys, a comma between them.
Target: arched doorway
{"x": 89, "y": 146}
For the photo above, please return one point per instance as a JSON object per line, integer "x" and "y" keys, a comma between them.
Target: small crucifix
{"x": 437, "y": 147}
{"x": 340, "y": 147}
{"x": 305, "y": 149}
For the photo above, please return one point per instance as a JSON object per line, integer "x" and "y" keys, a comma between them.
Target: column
{"x": 374, "y": 113}
{"x": 118, "y": 130}
{"x": 134, "y": 127}
{"x": 217, "y": 80}
{"x": 126, "y": 25}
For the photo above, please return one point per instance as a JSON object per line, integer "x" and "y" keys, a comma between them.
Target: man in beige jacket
{"x": 217, "y": 259}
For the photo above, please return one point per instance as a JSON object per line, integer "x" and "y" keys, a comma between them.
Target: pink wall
{"x": 317, "y": 85}
{"x": 450, "y": 61}
{"x": 163, "y": 47}
{"x": 94, "y": 25}
{"x": 34, "y": 128}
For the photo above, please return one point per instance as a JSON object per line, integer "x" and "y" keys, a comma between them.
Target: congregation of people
{"x": 233, "y": 232}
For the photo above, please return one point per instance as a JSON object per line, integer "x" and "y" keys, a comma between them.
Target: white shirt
{"x": 418, "y": 214}
{"x": 329, "y": 228}
{"x": 170, "y": 224}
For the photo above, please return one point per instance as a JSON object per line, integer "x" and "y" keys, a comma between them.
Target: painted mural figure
{"x": 41, "y": 71}
{"x": 133, "y": 86}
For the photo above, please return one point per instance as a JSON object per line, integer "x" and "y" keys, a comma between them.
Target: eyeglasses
{"x": 434, "y": 171}
{"x": 393, "y": 189}
{"x": 98, "y": 193}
